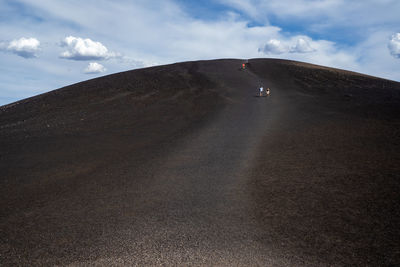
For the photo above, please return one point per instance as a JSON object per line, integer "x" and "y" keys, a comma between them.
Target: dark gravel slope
{"x": 183, "y": 165}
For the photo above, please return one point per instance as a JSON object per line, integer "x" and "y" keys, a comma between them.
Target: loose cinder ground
{"x": 184, "y": 165}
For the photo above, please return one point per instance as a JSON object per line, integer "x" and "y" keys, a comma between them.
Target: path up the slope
{"x": 198, "y": 208}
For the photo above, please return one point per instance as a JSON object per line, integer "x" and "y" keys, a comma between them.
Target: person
{"x": 261, "y": 90}
{"x": 268, "y": 91}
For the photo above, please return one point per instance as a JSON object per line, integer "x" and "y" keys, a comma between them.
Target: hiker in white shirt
{"x": 261, "y": 90}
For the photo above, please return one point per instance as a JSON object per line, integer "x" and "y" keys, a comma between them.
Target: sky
{"x": 48, "y": 44}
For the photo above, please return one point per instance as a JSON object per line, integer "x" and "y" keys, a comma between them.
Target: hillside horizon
{"x": 217, "y": 59}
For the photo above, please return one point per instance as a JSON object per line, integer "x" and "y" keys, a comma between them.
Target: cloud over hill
{"x": 94, "y": 68}
{"x": 394, "y": 45}
{"x": 276, "y": 47}
{"x": 85, "y": 49}
{"x": 23, "y": 47}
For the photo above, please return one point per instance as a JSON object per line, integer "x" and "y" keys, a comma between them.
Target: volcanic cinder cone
{"x": 185, "y": 165}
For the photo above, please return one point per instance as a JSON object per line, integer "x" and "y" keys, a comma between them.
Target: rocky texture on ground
{"x": 184, "y": 165}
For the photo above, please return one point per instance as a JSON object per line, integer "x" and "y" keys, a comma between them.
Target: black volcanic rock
{"x": 184, "y": 165}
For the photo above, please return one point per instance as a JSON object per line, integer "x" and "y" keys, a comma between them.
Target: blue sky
{"x": 48, "y": 44}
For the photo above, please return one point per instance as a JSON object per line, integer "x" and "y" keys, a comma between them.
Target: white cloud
{"x": 295, "y": 45}
{"x": 302, "y": 46}
{"x": 85, "y": 49}
{"x": 274, "y": 46}
{"x": 394, "y": 45}
{"x": 24, "y": 47}
{"x": 94, "y": 68}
